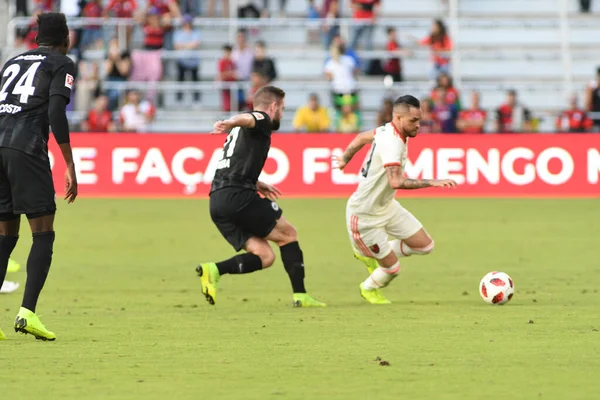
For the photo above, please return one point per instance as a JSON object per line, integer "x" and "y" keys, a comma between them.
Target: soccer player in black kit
{"x": 35, "y": 89}
{"x": 247, "y": 220}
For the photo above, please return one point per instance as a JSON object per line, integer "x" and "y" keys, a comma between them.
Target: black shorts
{"x": 26, "y": 185}
{"x": 240, "y": 214}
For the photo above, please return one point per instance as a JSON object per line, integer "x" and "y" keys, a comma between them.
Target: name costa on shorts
{"x": 9, "y": 109}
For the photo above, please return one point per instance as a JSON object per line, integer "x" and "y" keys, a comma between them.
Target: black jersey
{"x": 244, "y": 155}
{"x": 28, "y": 82}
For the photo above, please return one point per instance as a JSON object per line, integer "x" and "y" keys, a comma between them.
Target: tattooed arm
{"x": 354, "y": 147}
{"x": 398, "y": 181}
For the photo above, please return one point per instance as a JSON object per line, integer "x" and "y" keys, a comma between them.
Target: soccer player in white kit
{"x": 372, "y": 213}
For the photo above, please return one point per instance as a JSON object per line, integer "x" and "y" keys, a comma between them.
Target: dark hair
{"x": 450, "y": 80}
{"x": 598, "y": 71}
{"x": 52, "y": 29}
{"x": 243, "y": 31}
{"x": 439, "y": 37}
{"x": 408, "y": 101}
{"x": 267, "y": 95}
{"x": 261, "y": 43}
{"x": 511, "y": 92}
{"x": 313, "y": 95}
{"x": 390, "y": 29}
{"x": 228, "y": 47}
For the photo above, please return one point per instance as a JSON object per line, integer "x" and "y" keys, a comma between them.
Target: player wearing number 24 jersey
{"x": 372, "y": 213}
{"x": 245, "y": 219}
{"x": 35, "y": 89}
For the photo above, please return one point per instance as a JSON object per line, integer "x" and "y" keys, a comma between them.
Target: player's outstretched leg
{"x": 286, "y": 237}
{"x": 420, "y": 243}
{"x": 38, "y": 266}
{"x": 259, "y": 256}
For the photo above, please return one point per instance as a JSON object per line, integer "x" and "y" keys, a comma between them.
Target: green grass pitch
{"x": 131, "y": 323}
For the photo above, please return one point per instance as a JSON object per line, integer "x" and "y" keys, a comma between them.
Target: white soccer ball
{"x": 496, "y": 288}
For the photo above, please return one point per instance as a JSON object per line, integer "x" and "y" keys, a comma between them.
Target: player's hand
{"x": 70, "y": 184}
{"x": 269, "y": 191}
{"x": 220, "y": 127}
{"x": 445, "y": 183}
{"x": 338, "y": 162}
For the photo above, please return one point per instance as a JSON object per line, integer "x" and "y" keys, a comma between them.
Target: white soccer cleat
{"x": 9, "y": 287}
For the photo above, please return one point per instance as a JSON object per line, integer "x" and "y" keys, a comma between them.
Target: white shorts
{"x": 370, "y": 234}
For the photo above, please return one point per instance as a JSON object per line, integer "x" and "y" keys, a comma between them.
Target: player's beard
{"x": 275, "y": 124}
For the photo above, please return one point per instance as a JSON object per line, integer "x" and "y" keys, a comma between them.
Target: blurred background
{"x": 480, "y": 66}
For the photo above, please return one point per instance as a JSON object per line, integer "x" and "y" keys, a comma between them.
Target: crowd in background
{"x": 168, "y": 24}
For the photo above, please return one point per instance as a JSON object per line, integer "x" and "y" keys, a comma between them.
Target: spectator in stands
{"x": 45, "y": 5}
{"x": 385, "y": 113}
{"x": 242, "y": 56}
{"x": 262, "y": 64}
{"x": 136, "y": 114}
{"x": 585, "y": 6}
{"x": 393, "y": 65}
{"x": 99, "y": 118}
{"x": 226, "y": 73}
{"x": 256, "y": 82}
{"x": 91, "y": 33}
{"x": 364, "y": 16}
{"x": 339, "y": 42}
{"x": 427, "y": 123}
{"x": 168, "y": 9}
{"x": 32, "y": 30}
{"x": 331, "y": 29}
{"x": 511, "y": 116}
{"x": 573, "y": 119}
{"x": 313, "y": 16}
{"x": 592, "y": 102}
{"x": 121, "y": 9}
{"x": 312, "y": 117}
{"x": 440, "y": 44}
{"x": 341, "y": 70}
{"x": 348, "y": 120}
{"x": 187, "y": 38}
{"x": 249, "y": 9}
{"x": 443, "y": 113}
{"x": 117, "y": 68}
{"x": 452, "y": 95}
{"x": 87, "y": 88}
{"x": 224, "y": 8}
{"x": 473, "y": 119}
{"x": 154, "y": 30}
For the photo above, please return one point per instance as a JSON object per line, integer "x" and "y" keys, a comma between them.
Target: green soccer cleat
{"x": 2, "y": 335}
{"x": 13, "y": 266}
{"x": 373, "y": 296}
{"x": 27, "y": 322}
{"x": 209, "y": 279}
{"x": 369, "y": 262}
{"x": 304, "y": 300}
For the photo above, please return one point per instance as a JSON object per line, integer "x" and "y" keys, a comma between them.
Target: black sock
{"x": 38, "y": 266}
{"x": 293, "y": 261}
{"x": 7, "y": 245}
{"x": 240, "y": 264}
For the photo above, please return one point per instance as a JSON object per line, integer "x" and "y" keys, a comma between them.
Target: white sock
{"x": 381, "y": 277}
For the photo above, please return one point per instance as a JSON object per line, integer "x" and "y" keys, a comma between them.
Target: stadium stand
{"x": 544, "y": 49}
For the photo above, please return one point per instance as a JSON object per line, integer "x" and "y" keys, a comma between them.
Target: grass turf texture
{"x": 131, "y": 322}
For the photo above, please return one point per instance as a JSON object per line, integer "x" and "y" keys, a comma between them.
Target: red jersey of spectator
{"x": 32, "y": 31}
{"x": 122, "y": 8}
{"x": 472, "y": 115}
{"x": 392, "y": 66}
{"x": 161, "y": 5}
{"x": 154, "y": 37}
{"x": 364, "y": 9}
{"x": 451, "y": 96}
{"x": 226, "y": 66}
{"x": 99, "y": 122}
{"x": 46, "y": 5}
{"x": 573, "y": 121}
{"x": 505, "y": 117}
{"x": 92, "y": 10}
{"x": 444, "y": 45}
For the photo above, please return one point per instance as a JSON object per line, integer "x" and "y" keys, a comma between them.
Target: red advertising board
{"x": 176, "y": 165}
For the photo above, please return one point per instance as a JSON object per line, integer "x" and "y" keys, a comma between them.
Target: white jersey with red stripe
{"x": 374, "y": 196}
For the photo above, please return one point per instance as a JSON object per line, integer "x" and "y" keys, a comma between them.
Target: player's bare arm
{"x": 60, "y": 127}
{"x": 398, "y": 181}
{"x": 245, "y": 120}
{"x": 354, "y": 147}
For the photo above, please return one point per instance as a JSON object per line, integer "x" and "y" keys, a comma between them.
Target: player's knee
{"x": 425, "y": 249}
{"x": 267, "y": 258}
